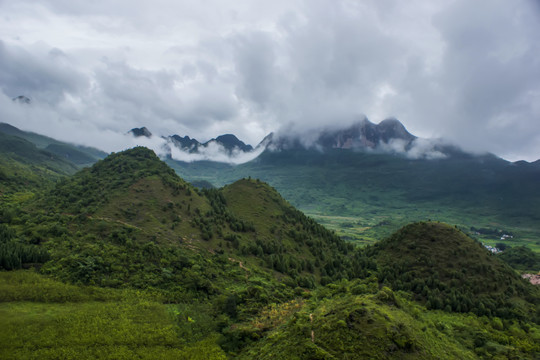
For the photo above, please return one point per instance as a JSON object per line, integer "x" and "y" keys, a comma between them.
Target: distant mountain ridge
{"x": 389, "y": 135}
{"x": 77, "y": 154}
{"x": 362, "y": 134}
{"x": 228, "y": 141}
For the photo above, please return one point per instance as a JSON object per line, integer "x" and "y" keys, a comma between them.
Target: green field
{"x": 46, "y": 319}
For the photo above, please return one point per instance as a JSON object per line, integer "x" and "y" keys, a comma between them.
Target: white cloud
{"x": 466, "y": 71}
{"x": 215, "y": 152}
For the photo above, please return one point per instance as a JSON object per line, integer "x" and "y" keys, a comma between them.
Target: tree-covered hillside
{"x": 445, "y": 269}
{"x": 366, "y": 195}
{"x": 126, "y": 260}
{"x": 521, "y": 258}
{"x": 130, "y": 221}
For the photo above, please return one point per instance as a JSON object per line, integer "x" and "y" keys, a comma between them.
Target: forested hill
{"x": 445, "y": 269}
{"x": 153, "y": 265}
{"x": 127, "y": 221}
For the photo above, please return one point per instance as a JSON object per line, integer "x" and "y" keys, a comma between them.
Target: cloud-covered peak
{"x": 138, "y": 132}
{"x": 362, "y": 134}
{"x": 389, "y": 136}
{"x": 464, "y": 70}
{"x": 21, "y": 99}
{"x": 224, "y": 148}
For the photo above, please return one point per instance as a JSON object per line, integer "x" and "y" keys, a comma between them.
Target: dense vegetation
{"x": 127, "y": 260}
{"x": 521, "y": 258}
{"x": 359, "y": 320}
{"x": 366, "y": 196}
{"x": 14, "y": 253}
{"x": 132, "y": 206}
{"x": 46, "y": 319}
{"x": 445, "y": 269}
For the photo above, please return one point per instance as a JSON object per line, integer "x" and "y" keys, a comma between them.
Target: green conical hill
{"x": 129, "y": 220}
{"x": 92, "y": 187}
{"x": 284, "y": 237}
{"x": 448, "y": 270}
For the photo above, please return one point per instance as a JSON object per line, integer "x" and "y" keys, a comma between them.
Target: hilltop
{"x": 131, "y": 220}
{"x": 445, "y": 269}
{"x": 362, "y": 193}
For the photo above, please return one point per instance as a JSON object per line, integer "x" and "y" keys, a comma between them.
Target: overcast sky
{"x": 467, "y": 71}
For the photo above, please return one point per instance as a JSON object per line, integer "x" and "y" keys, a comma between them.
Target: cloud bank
{"x": 465, "y": 71}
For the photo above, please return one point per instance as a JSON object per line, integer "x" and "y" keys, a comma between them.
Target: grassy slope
{"x": 45, "y": 319}
{"x": 24, "y": 167}
{"x": 355, "y": 320}
{"x": 296, "y": 237}
{"x": 130, "y": 221}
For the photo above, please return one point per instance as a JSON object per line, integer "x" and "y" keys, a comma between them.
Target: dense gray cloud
{"x": 45, "y": 72}
{"x": 465, "y": 71}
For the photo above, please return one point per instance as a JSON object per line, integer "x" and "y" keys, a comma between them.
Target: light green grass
{"x": 45, "y": 319}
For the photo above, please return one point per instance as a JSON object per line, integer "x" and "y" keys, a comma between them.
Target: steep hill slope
{"x": 448, "y": 270}
{"x": 242, "y": 268}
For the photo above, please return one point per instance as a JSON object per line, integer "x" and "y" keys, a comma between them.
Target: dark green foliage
{"x": 356, "y": 320}
{"x": 378, "y": 193}
{"x": 129, "y": 221}
{"x": 521, "y": 258}
{"x": 447, "y": 270}
{"x": 14, "y": 254}
{"x": 23, "y": 167}
{"x": 289, "y": 242}
{"x": 241, "y": 267}
{"x": 93, "y": 187}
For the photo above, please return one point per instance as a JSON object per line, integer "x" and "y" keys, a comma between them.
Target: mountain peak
{"x": 392, "y": 128}
{"x": 185, "y": 143}
{"x": 138, "y": 132}
{"x": 21, "y": 99}
{"x": 230, "y": 141}
{"x": 364, "y": 134}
